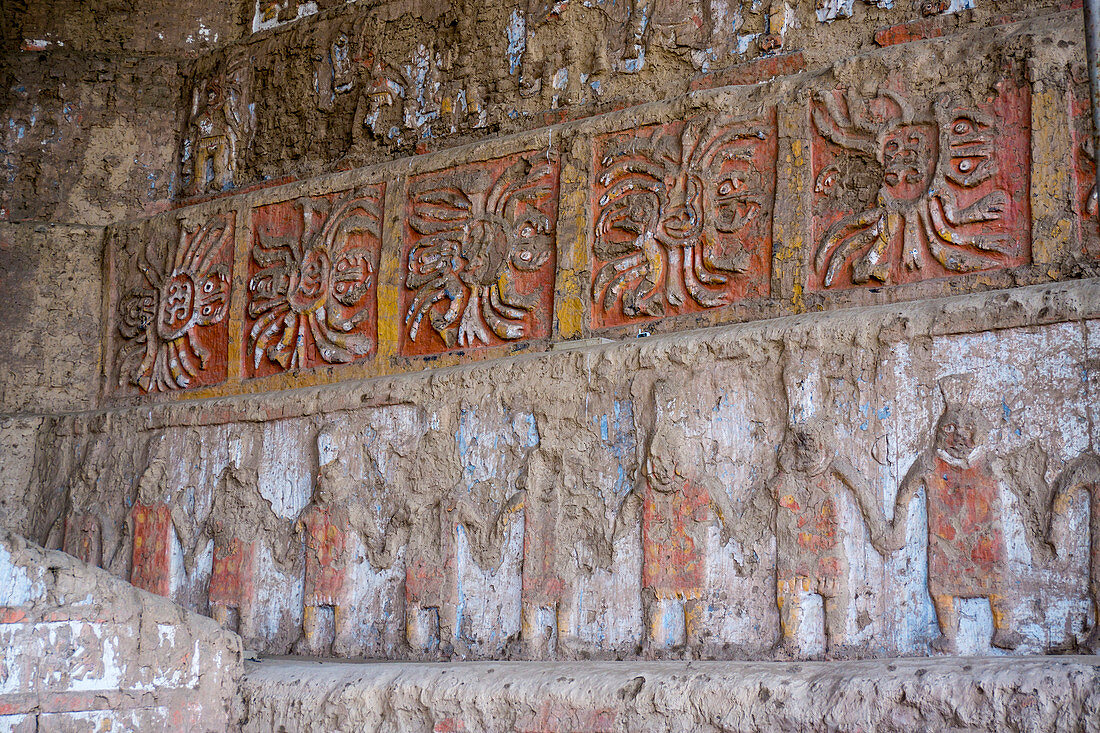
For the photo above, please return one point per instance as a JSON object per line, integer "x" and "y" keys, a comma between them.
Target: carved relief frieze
{"x": 312, "y": 281}
{"x": 681, "y": 218}
{"x": 479, "y": 255}
{"x": 905, "y": 190}
{"x": 173, "y": 302}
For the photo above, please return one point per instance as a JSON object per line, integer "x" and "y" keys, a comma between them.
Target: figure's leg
{"x": 421, "y": 636}
{"x": 244, "y": 620}
{"x": 789, "y": 601}
{"x": 566, "y": 617}
{"x": 220, "y": 614}
{"x": 651, "y": 613}
{"x": 835, "y": 608}
{"x": 1092, "y": 641}
{"x": 1004, "y": 636}
{"x": 693, "y": 625}
{"x": 948, "y": 619}
{"x": 309, "y": 627}
{"x": 535, "y": 632}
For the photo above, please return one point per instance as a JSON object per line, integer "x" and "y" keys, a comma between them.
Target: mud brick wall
{"x": 356, "y": 83}
{"x": 899, "y": 480}
{"x": 879, "y": 178}
{"x": 50, "y": 305}
{"x": 88, "y": 138}
{"x": 86, "y": 651}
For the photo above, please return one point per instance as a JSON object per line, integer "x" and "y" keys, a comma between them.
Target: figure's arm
{"x": 630, "y": 510}
{"x": 1082, "y": 472}
{"x": 869, "y": 507}
{"x": 894, "y": 538}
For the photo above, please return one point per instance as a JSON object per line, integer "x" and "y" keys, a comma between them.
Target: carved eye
{"x": 891, "y": 147}
{"x": 731, "y": 186}
{"x": 949, "y": 428}
{"x": 528, "y": 230}
{"x": 963, "y": 127}
{"x": 208, "y": 287}
{"x": 207, "y": 310}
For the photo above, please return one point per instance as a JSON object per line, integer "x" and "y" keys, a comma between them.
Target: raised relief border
{"x": 681, "y": 218}
{"x": 312, "y": 288}
{"x": 479, "y": 254}
{"x": 908, "y": 189}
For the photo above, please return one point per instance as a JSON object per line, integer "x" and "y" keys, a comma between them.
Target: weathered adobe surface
{"x": 1037, "y": 695}
{"x": 355, "y": 85}
{"x": 84, "y": 650}
{"x": 88, "y": 138}
{"x": 51, "y": 275}
{"x": 778, "y": 489}
{"x": 881, "y": 178}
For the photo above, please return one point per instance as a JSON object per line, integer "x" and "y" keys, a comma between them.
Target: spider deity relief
{"x": 173, "y": 307}
{"x": 479, "y": 260}
{"x": 905, "y": 190}
{"x": 682, "y": 218}
{"x": 311, "y": 296}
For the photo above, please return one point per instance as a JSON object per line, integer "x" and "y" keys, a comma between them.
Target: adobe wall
{"x": 83, "y": 651}
{"x": 728, "y": 493}
{"x": 564, "y": 332}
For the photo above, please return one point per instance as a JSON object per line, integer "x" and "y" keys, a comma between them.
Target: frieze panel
{"x": 479, "y": 257}
{"x": 173, "y": 301}
{"x": 312, "y": 281}
{"x": 681, "y": 218}
{"x": 948, "y": 184}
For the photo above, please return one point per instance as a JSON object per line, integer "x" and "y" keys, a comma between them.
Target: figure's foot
{"x": 786, "y": 649}
{"x": 1006, "y": 639}
{"x": 942, "y": 645}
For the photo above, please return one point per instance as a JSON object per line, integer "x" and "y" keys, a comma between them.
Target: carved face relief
{"x": 958, "y": 433}
{"x": 682, "y": 218}
{"x": 172, "y": 314}
{"x": 479, "y": 265}
{"x": 950, "y": 199}
{"x": 311, "y": 291}
{"x": 908, "y": 160}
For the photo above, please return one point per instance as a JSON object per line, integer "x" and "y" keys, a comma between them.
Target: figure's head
{"x": 805, "y": 449}
{"x": 959, "y": 431}
{"x": 668, "y": 464}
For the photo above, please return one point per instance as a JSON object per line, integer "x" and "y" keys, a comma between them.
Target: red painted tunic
{"x": 673, "y": 536}
{"x": 542, "y": 586}
{"x": 151, "y": 559}
{"x": 808, "y": 531}
{"x": 326, "y": 558}
{"x": 82, "y": 538}
{"x": 231, "y": 580}
{"x": 966, "y": 545}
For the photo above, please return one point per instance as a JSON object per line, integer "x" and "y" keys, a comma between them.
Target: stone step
{"x": 941, "y": 694}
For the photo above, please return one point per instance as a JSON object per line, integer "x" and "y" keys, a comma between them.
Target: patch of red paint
{"x": 753, "y": 72}
{"x": 152, "y": 547}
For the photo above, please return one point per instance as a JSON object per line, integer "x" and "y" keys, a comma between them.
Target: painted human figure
{"x": 152, "y": 524}
{"x": 84, "y": 524}
{"x": 240, "y": 519}
{"x": 1082, "y": 474}
{"x": 809, "y": 548}
{"x": 677, "y": 505}
{"x": 966, "y": 545}
{"x": 326, "y": 526}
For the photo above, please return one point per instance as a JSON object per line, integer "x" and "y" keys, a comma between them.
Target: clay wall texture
{"x": 731, "y": 493}
{"x": 83, "y": 651}
{"x": 50, "y": 304}
{"x": 435, "y": 330}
